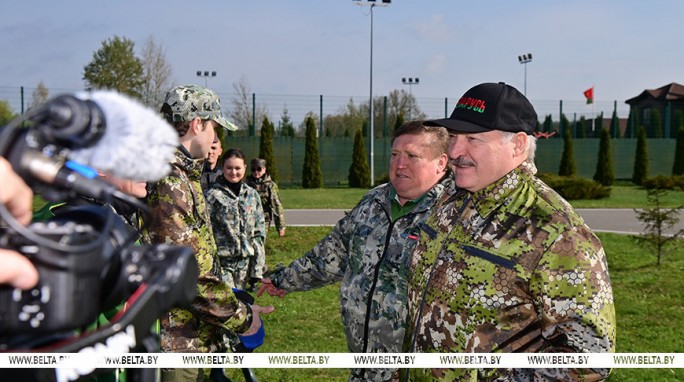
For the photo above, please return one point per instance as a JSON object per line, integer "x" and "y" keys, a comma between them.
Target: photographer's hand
{"x": 16, "y": 269}
{"x": 14, "y": 193}
{"x": 267, "y": 286}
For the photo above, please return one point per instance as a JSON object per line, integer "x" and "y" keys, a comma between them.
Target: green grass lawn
{"x": 620, "y": 197}
{"x": 649, "y": 304}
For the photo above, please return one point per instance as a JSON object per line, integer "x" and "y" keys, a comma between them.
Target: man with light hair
{"x": 506, "y": 264}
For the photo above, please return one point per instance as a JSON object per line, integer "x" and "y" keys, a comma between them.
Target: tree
{"x": 655, "y": 124}
{"x": 567, "y": 164}
{"x": 156, "y": 73}
{"x": 359, "y": 171}
{"x": 241, "y": 113}
{"x": 286, "y": 127}
{"x": 266, "y": 148}
{"x": 114, "y": 66}
{"x": 640, "y": 158}
{"x": 678, "y": 166}
{"x": 6, "y": 113}
{"x": 656, "y": 221}
{"x": 311, "y": 174}
{"x": 581, "y": 128}
{"x": 614, "y": 125}
{"x": 605, "y": 173}
{"x": 548, "y": 124}
{"x": 39, "y": 95}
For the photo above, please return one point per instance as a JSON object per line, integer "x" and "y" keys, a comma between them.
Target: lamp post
{"x": 410, "y": 82}
{"x": 205, "y": 74}
{"x": 372, "y": 4}
{"x": 524, "y": 59}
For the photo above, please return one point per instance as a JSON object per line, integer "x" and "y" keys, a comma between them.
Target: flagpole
{"x": 593, "y": 108}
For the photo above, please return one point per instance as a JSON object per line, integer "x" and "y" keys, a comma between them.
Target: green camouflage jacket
{"x": 368, "y": 253}
{"x": 238, "y": 220}
{"x": 180, "y": 217}
{"x": 270, "y": 200}
{"x": 510, "y": 268}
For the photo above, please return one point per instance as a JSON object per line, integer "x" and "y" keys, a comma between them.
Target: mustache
{"x": 461, "y": 161}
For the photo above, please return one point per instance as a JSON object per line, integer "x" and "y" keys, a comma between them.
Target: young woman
{"x": 238, "y": 222}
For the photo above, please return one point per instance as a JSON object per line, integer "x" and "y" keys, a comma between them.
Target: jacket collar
{"x": 192, "y": 167}
{"x": 493, "y": 196}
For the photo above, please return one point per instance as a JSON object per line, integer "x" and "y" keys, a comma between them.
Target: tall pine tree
{"x": 568, "y": 166}
{"x": 678, "y": 167}
{"x": 640, "y": 158}
{"x": 359, "y": 171}
{"x": 311, "y": 174}
{"x": 605, "y": 173}
{"x": 266, "y": 148}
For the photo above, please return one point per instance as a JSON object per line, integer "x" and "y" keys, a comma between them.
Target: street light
{"x": 410, "y": 82}
{"x": 205, "y": 74}
{"x": 524, "y": 59}
{"x": 372, "y": 4}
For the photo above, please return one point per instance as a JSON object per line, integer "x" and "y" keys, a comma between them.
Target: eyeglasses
{"x": 257, "y": 169}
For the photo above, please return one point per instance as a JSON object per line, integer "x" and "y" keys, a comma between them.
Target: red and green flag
{"x": 589, "y": 94}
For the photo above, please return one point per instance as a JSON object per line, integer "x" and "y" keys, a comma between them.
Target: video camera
{"x": 87, "y": 258}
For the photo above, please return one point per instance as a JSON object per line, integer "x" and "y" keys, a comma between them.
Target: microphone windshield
{"x": 137, "y": 143}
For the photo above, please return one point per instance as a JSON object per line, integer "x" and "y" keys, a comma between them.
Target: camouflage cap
{"x": 187, "y": 102}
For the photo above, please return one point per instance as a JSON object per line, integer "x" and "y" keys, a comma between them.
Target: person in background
{"x": 17, "y": 197}
{"x": 260, "y": 180}
{"x": 238, "y": 222}
{"x": 368, "y": 249}
{"x": 212, "y": 169}
{"x": 180, "y": 217}
{"x": 505, "y": 264}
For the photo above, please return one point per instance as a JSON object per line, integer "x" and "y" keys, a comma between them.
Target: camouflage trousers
{"x": 238, "y": 271}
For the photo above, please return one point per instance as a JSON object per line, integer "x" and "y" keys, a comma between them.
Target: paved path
{"x": 599, "y": 219}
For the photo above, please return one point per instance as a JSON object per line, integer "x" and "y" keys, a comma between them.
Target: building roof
{"x": 671, "y": 92}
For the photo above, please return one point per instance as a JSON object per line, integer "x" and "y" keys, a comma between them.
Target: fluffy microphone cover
{"x": 137, "y": 143}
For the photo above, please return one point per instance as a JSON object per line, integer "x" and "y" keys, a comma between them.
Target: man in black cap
{"x": 505, "y": 264}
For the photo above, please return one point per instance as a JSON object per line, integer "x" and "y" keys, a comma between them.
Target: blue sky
{"x": 311, "y": 47}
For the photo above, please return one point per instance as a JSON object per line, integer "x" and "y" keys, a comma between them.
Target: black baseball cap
{"x": 491, "y": 106}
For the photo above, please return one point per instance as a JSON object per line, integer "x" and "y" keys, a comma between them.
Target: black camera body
{"x": 88, "y": 263}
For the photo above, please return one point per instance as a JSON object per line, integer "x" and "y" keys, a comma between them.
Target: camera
{"x": 86, "y": 256}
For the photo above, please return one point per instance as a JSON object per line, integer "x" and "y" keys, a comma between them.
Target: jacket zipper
{"x": 427, "y": 284}
{"x": 478, "y": 252}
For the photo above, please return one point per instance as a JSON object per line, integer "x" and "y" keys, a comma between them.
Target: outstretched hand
{"x": 257, "y": 311}
{"x": 267, "y": 286}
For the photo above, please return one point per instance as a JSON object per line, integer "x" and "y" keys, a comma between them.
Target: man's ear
{"x": 442, "y": 163}
{"x": 195, "y": 126}
{"x": 520, "y": 141}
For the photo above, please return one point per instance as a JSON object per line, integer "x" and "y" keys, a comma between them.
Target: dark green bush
{"x": 664, "y": 182}
{"x": 572, "y": 187}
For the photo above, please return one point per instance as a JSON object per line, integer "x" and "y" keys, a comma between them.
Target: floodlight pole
{"x": 410, "y": 82}
{"x": 371, "y": 130}
{"x": 524, "y": 59}
{"x": 206, "y": 74}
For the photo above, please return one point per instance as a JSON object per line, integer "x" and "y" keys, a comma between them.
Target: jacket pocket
{"x": 496, "y": 259}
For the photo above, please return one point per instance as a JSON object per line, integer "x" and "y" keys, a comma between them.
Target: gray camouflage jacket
{"x": 510, "y": 268}
{"x": 238, "y": 221}
{"x": 368, "y": 253}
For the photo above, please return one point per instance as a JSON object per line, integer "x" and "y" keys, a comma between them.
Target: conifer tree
{"x": 359, "y": 171}
{"x": 605, "y": 173}
{"x": 311, "y": 174}
{"x": 266, "y": 148}
{"x": 640, "y": 158}
{"x": 656, "y": 124}
{"x": 614, "y": 125}
{"x": 678, "y": 167}
{"x": 568, "y": 166}
{"x": 548, "y": 124}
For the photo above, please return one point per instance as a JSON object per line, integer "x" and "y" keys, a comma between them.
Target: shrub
{"x": 664, "y": 182}
{"x": 572, "y": 188}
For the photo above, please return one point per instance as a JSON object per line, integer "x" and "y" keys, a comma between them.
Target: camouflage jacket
{"x": 270, "y": 200}
{"x": 510, "y": 268}
{"x": 180, "y": 217}
{"x": 238, "y": 220}
{"x": 368, "y": 253}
